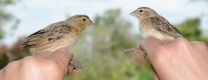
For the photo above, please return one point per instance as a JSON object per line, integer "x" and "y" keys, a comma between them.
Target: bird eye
{"x": 84, "y": 19}
{"x": 140, "y": 11}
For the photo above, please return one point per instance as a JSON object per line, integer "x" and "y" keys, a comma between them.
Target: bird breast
{"x": 146, "y": 29}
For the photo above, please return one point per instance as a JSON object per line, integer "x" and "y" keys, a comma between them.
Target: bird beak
{"x": 91, "y": 22}
{"x": 134, "y": 13}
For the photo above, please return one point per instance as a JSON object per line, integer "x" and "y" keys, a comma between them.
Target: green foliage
{"x": 104, "y": 43}
{"x": 110, "y": 33}
{"x": 1, "y": 33}
{"x": 3, "y": 60}
{"x": 190, "y": 29}
{"x": 102, "y": 48}
{"x": 4, "y": 15}
{"x": 6, "y": 2}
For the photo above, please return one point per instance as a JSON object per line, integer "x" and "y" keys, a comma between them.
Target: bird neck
{"x": 77, "y": 30}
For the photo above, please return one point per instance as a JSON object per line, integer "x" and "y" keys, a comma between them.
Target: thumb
{"x": 149, "y": 44}
{"x": 63, "y": 57}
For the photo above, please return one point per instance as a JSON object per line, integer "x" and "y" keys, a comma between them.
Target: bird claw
{"x": 131, "y": 51}
{"x": 137, "y": 53}
{"x": 77, "y": 64}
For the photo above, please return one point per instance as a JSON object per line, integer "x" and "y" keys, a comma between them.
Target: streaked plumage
{"x": 152, "y": 24}
{"x": 57, "y": 35}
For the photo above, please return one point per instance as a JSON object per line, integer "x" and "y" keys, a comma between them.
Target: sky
{"x": 37, "y": 14}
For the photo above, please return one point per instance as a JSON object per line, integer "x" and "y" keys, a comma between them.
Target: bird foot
{"x": 137, "y": 53}
{"x": 75, "y": 65}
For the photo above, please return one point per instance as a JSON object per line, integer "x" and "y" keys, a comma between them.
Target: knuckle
{"x": 181, "y": 42}
{"x": 200, "y": 45}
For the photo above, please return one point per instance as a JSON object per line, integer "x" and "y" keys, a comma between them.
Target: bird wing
{"x": 47, "y": 35}
{"x": 162, "y": 25}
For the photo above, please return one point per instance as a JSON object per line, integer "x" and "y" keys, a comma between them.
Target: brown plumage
{"x": 152, "y": 24}
{"x": 57, "y": 35}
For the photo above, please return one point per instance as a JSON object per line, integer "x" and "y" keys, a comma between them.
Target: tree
{"x": 5, "y": 16}
{"x": 104, "y": 43}
{"x": 109, "y": 34}
{"x": 190, "y": 29}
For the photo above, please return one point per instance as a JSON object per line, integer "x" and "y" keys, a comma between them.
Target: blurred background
{"x": 101, "y": 47}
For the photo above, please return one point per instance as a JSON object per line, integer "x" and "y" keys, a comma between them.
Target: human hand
{"x": 178, "y": 59}
{"x": 45, "y": 66}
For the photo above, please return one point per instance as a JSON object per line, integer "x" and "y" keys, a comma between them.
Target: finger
{"x": 62, "y": 56}
{"x": 200, "y": 45}
{"x": 10, "y": 69}
{"x": 71, "y": 70}
{"x": 155, "y": 76}
{"x": 149, "y": 44}
{"x": 139, "y": 55}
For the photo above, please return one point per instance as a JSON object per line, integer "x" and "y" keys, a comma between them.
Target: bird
{"x": 62, "y": 34}
{"x": 153, "y": 24}
{"x": 58, "y": 35}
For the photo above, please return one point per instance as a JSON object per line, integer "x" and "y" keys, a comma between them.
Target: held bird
{"x": 152, "y": 24}
{"x": 57, "y": 35}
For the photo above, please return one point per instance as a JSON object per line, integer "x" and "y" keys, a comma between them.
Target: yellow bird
{"x": 57, "y": 35}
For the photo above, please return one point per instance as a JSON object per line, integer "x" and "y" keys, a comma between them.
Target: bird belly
{"x": 64, "y": 43}
{"x": 146, "y": 32}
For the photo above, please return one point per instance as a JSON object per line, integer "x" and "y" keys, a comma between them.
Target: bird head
{"x": 143, "y": 13}
{"x": 79, "y": 22}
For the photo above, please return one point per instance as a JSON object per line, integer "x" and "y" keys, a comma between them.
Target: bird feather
{"x": 162, "y": 25}
{"x": 47, "y": 35}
